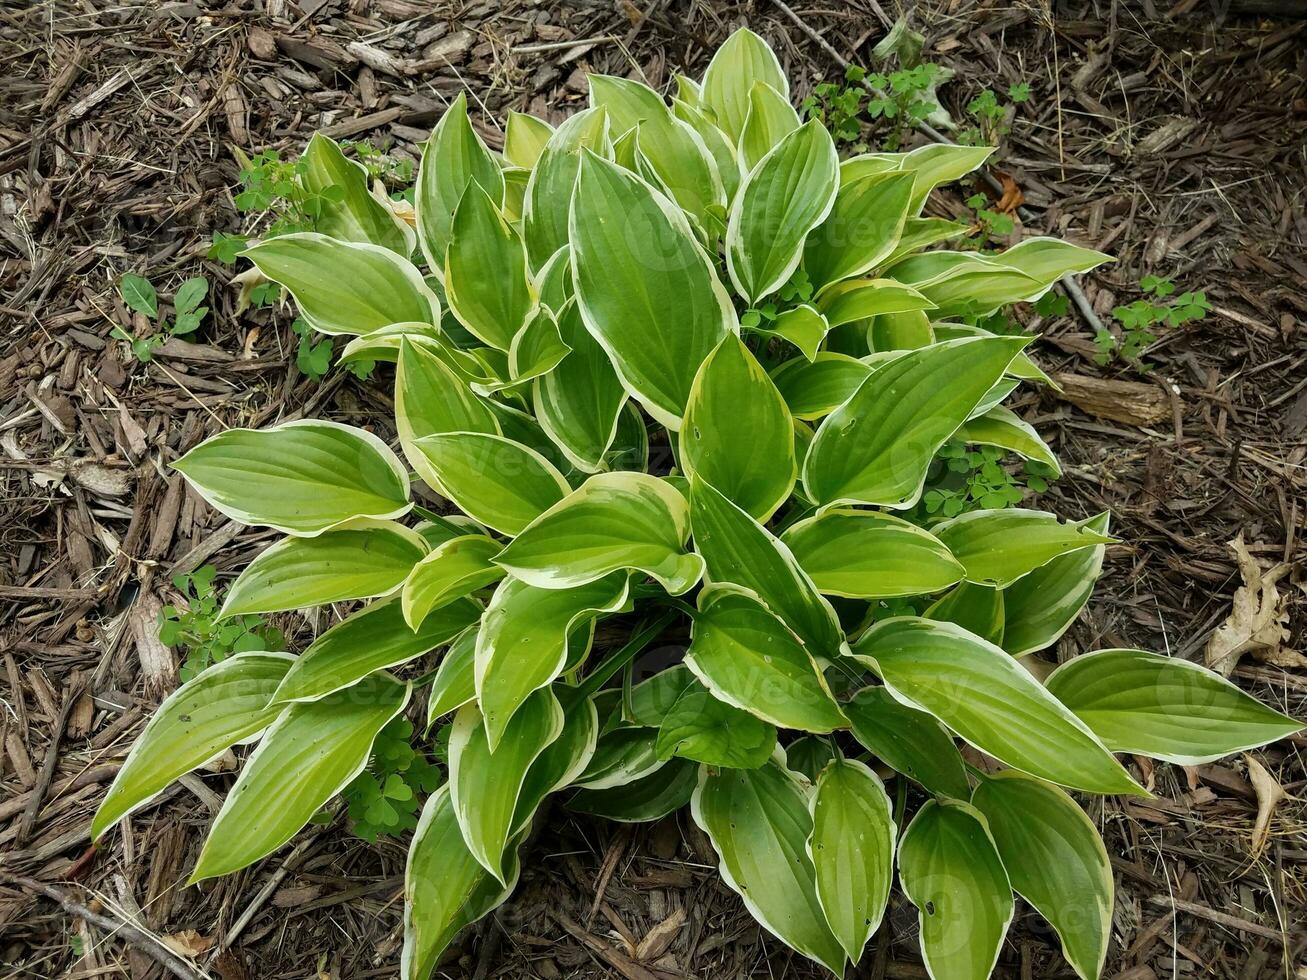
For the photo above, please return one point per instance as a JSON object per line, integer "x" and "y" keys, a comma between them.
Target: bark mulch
{"x": 1175, "y": 139}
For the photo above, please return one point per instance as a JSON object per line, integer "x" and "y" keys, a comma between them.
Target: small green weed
{"x": 385, "y": 797}
{"x": 196, "y": 630}
{"x": 899, "y": 99}
{"x": 990, "y": 224}
{"x": 974, "y": 478}
{"x": 1140, "y": 320}
{"x": 140, "y": 295}
{"x": 988, "y": 111}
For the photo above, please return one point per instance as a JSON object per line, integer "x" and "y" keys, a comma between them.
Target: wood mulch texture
{"x": 1176, "y": 139}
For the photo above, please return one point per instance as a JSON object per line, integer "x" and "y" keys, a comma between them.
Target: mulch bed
{"x": 1176, "y": 140}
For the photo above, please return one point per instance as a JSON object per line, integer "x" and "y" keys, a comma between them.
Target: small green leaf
{"x": 704, "y": 728}
{"x": 650, "y": 798}
{"x": 190, "y": 295}
{"x": 139, "y": 295}
{"x": 861, "y": 230}
{"x": 486, "y": 278}
{"x": 1039, "y": 607}
{"x": 997, "y": 547}
{"x": 908, "y": 740}
{"x": 357, "y": 215}
{"x": 743, "y": 59}
{"x": 455, "y": 568}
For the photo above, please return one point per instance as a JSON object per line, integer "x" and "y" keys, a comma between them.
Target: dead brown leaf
{"x": 1259, "y": 618}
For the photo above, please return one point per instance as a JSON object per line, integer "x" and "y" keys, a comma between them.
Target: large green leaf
{"x": 966, "y": 283}
{"x": 647, "y": 291}
{"x": 622, "y": 756}
{"x": 743, "y": 59}
{"x": 445, "y": 887}
{"x": 759, "y": 824}
{"x": 1055, "y": 860}
{"x": 612, "y": 521}
{"x": 862, "y": 554}
{"x": 549, "y": 193}
{"x": 498, "y": 482}
{"x": 452, "y": 158}
{"x": 771, "y": 118}
{"x": 226, "y": 704}
{"x": 737, "y": 433}
{"x": 454, "y": 569}
{"x": 877, "y": 446}
{"x": 486, "y": 279}
{"x": 1049, "y": 259}
{"x": 652, "y": 797}
{"x": 649, "y": 701}
{"x": 485, "y": 781}
{"x": 301, "y": 477}
{"x": 361, "y": 561}
{"x": 369, "y": 640}
{"x": 580, "y": 401}
{"x": 750, "y": 659}
{"x": 1164, "y": 707}
{"x": 311, "y": 752}
{"x": 976, "y": 608}
{"x": 739, "y": 550}
{"x": 523, "y": 642}
{"x": 990, "y": 700}
{"x": 940, "y": 163}
{"x": 908, "y": 741}
{"x": 801, "y": 325}
{"x": 861, "y": 230}
{"x": 813, "y": 389}
{"x": 345, "y": 287}
{"x": 919, "y": 233}
{"x": 1038, "y": 608}
{"x": 525, "y": 138}
{"x": 852, "y": 851}
{"x": 997, "y": 547}
{"x": 677, "y": 155}
{"x": 455, "y": 682}
{"x": 717, "y": 143}
{"x": 347, "y": 210}
{"x": 789, "y": 192}
{"x": 1005, "y": 429}
{"x": 559, "y": 765}
{"x": 704, "y": 728}
{"x": 858, "y": 299}
{"x": 951, "y": 871}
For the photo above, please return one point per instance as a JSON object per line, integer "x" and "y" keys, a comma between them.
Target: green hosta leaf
{"x": 486, "y": 278}
{"x": 997, "y": 547}
{"x": 862, "y": 229}
{"x": 537, "y": 349}
{"x": 704, "y": 728}
{"x": 940, "y": 163}
{"x": 759, "y": 824}
{"x": 218, "y": 708}
{"x": 516, "y": 180}
{"x": 369, "y": 640}
{"x": 789, "y": 192}
{"x": 920, "y": 233}
{"x": 554, "y": 281}
{"x": 1021, "y": 367}
{"x": 311, "y": 752}
{"x": 302, "y": 477}
{"x": 485, "y": 781}
{"x": 663, "y": 791}
{"x": 892, "y": 332}
{"x": 579, "y": 402}
{"x": 737, "y": 433}
{"x": 621, "y": 757}
{"x": 1002, "y": 388}
{"x": 1038, "y": 608}
{"x": 1049, "y": 259}
{"x": 1055, "y": 860}
{"x": 357, "y": 216}
{"x": 951, "y": 871}
{"x": 452, "y": 158}
{"x": 558, "y": 766}
{"x": 650, "y": 700}
{"x": 990, "y": 700}
{"x": 802, "y": 326}
{"x": 454, "y": 569}
{"x": 742, "y": 60}
{"x": 877, "y": 447}
{"x": 383, "y": 344}
{"x": 613, "y": 521}
{"x": 431, "y": 398}
{"x": 865, "y": 555}
{"x": 750, "y": 659}
{"x": 345, "y": 287}
{"x": 809, "y": 755}
{"x": 549, "y": 194}
{"x": 866, "y": 164}
{"x": 1164, "y": 707}
{"x": 717, "y": 143}
{"x": 674, "y": 151}
{"x": 771, "y": 118}
{"x": 642, "y": 277}
{"x": 1005, "y": 429}
{"x": 455, "y": 681}
{"x": 739, "y": 550}
{"x": 525, "y": 139}
{"x": 852, "y": 851}
{"x": 858, "y": 299}
{"x": 976, "y": 608}
{"x": 355, "y": 562}
{"x": 908, "y": 741}
{"x": 445, "y": 888}
{"x": 815, "y": 389}
{"x": 496, "y": 481}
{"x": 523, "y": 643}
{"x": 966, "y": 283}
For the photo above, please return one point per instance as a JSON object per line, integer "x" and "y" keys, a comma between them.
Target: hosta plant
{"x": 674, "y": 367}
